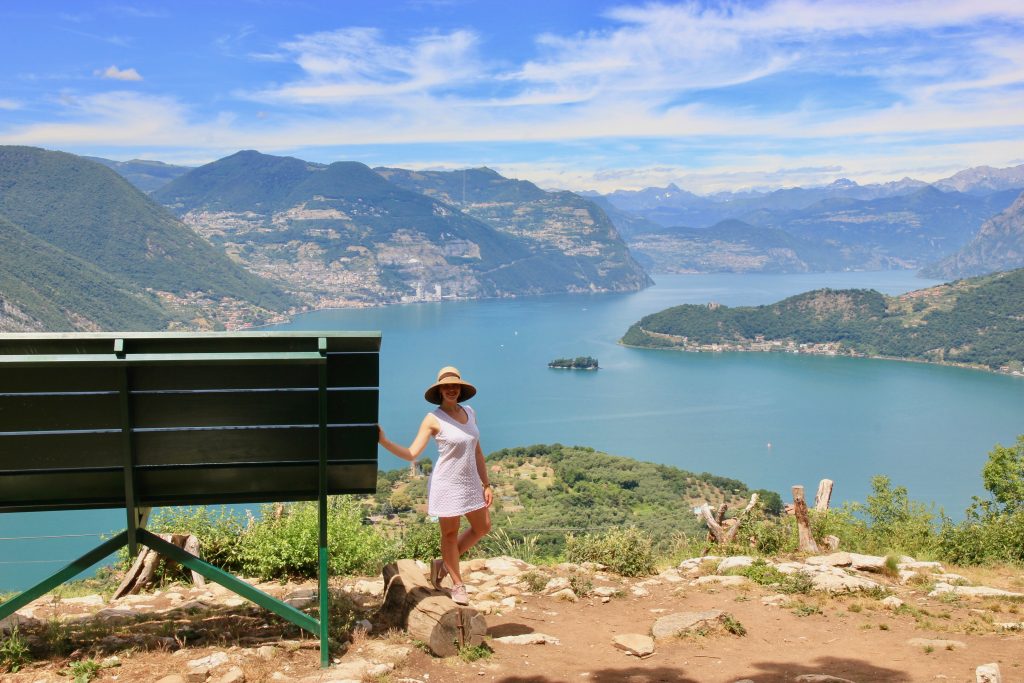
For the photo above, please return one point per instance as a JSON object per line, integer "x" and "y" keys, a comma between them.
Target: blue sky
{"x": 570, "y": 94}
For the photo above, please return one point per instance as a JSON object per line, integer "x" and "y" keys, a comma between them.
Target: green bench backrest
{"x": 203, "y": 418}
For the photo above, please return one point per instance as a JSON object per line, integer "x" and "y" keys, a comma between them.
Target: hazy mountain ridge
{"x": 975, "y": 322}
{"x": 89, "y": 251}
{"x": 342, "y": 234}
{"x": 998, "y": 245}
{"x": 145, "y": 175}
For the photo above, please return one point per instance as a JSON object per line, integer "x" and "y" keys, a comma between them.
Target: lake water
{"x": 927, "y": 427}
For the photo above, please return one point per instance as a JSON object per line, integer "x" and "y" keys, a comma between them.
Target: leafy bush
{"x": 14, "y": 652}
{"x": 220, "y": 531}
{"x": 762, "y": 573}
{"x": 499, "y": 542}
{"x": 625, "y": 551}
{"x": 421, "y": 541}
{"x": 278, "y": 548}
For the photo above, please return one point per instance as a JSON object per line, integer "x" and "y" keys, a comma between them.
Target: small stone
{"x": 85, "y": 600}
{"x": 535, "y": 638}
{"x": 973, "y": 591}
{"x": 1011, "y": 626}
{"x": 737, "y": 562}
{"x": 363, "y": 625}
{"x": 635, "y": 644}
{"x": 676, "y": 624}
{"x": 565, "y": 594}
{"x": 715, "y": 580}
{"x": 892, "y": 602}
{"x": 937, "y": 644}
{"x": 233, "y": 675}
{"x": 556, "y": 584}
{"x": 840, "y": 559}
{"x": 267, "y": 652}
{"x": 173, "y": 678}
{"x": 379, "y": 669}
{"x": 831, "y": 583}
{"x": 988, "y": 673}
{"x": 374, "y": 588}
{"x": 605, "y": 591}
{"x": 775, "y": 600}
{"x": 209, "y": 662}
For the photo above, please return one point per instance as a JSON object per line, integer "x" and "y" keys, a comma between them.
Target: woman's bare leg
{"x": 454, "y": 544}
{"x": 479, "y": 525}
{"x": 450, "y": 546}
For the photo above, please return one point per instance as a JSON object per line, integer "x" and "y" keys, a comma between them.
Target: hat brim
{"x": 433, "y": 394}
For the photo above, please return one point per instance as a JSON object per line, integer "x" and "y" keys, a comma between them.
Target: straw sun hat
{"x": 449, "y": 375}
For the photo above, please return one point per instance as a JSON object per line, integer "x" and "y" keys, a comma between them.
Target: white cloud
{"x": 9, "y": 105}
{"x": 116, "y": 74}
{"x": 353, "y": 64}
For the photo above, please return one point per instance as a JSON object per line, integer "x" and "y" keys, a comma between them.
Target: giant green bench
{"x": 137, "y": 421}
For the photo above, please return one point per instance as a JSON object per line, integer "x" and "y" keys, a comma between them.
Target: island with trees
{"x": 975, "y": 322}
{"x": 577, "y": 363}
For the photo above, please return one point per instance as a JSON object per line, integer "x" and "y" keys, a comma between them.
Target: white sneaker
{"x": 459, "y": 595}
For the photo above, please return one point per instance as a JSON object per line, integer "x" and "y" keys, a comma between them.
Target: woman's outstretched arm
{"x": 428, "y": 428}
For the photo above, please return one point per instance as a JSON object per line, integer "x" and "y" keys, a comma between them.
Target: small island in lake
{"x": 577, "y": 363}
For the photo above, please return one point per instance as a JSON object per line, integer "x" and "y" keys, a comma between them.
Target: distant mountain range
{"x": 84, "y": 250}
{"x": 975, "y": 322}
{"x": 903, "y": 224}
{"x": 342, "y": 234}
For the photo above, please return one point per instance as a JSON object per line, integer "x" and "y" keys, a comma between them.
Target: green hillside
{"x": 55, "y": 291}
{"x": 998, "y": 245}
{"x": 978, "y": 322}
{"x": 342, "y": 234}
{"x": 567, "y": 233}
{"x": 549, "y": 490}
{"x": 80, "y": 207}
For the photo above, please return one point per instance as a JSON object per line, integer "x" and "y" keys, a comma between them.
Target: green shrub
{"x": 625, "y": 551}
{"x": 421, "y": 541}
{"x": 84, "y": 670}
{"x": 219, "y": 530}
{"x": 535, "y": 581}
{"x": 499, "y": 542}
{"x": 279, "y": 548}
{"x": 762, "y": 573}
{"x": 14, "y": 652}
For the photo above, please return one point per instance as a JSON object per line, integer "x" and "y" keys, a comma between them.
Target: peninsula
{"x": 976, "y": 322}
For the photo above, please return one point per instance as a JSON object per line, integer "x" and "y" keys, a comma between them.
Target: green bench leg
{"x": 66, "y": 574}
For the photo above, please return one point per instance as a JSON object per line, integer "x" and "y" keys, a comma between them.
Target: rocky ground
{"x": 856, "y": 620}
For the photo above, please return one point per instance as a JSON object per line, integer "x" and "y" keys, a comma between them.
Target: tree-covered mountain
{"x": 976, "y": 321}
{"x": 569, "y": 230}
{"x": 106, "y": 242}
{"x": 143, "y": 174}
{"x": 43, "y": 288}
{"x": 342, "y": 234}
{"x": 998, "y": 245}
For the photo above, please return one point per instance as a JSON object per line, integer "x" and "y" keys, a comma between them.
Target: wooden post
{"x": 824, "y": 495}
{"x": 803, "y": 522}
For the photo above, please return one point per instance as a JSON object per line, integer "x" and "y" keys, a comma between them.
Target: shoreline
{"x": 815, "y": 352}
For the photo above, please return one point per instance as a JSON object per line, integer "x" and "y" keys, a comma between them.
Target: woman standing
{"x": 458, "y": 484}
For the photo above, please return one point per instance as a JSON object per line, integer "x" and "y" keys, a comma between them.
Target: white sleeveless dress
{"x": 454, "y": 487}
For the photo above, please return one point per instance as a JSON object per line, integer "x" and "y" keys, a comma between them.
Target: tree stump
{"x": 824, "y": 495}
{"x": 429, "y": 615}
{"x": 803, "y": 522}
{"x": 144, "y": 569}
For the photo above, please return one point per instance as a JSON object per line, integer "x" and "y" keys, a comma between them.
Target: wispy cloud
{"x": 788, "y": 90}
{"x": 113, "y": 73}
{"x": 353, "y": 64}
{"x": 9, "y": 105}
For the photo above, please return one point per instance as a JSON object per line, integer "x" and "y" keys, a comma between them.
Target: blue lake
{"x": 927, "y": 427}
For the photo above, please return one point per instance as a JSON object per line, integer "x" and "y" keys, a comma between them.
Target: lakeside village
{"x": 759, "y": 343}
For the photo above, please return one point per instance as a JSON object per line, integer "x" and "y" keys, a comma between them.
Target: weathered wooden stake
{"x": 803, "y": 522}
{"x": 823, "y": 496}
